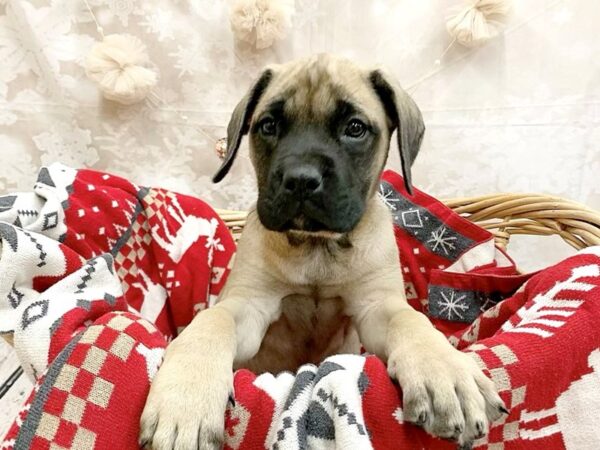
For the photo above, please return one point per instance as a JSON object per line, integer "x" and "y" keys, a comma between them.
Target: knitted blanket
{"x": 97, "y": 275}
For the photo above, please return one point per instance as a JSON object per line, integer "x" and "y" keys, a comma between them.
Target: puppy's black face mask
{"x": 318, "y": 155}
{"x": 314, "y": 175}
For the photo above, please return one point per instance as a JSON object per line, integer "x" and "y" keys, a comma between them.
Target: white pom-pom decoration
{"x": 261, "y": 22}
{"x": 479, "y": 21}
{"x": 119, "y": 65}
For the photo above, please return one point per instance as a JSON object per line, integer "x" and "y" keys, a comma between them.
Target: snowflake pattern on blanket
{"x": 97, "y": 275}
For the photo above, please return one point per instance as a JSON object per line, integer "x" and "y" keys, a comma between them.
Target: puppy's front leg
{"x": 188, "y": 396}
{"x": 443, "y": 389}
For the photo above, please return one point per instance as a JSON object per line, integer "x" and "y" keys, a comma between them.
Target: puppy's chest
{"x": 308, "y": 330}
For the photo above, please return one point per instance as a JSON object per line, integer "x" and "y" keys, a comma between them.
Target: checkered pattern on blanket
{"x": 97, "y": 275}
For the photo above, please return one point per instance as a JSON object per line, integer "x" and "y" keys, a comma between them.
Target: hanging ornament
{"x": 479, "y": 21}
{"x": 221, "y": 148}
{"x": 261, "y": 22}
{"x": 120, "y": 66}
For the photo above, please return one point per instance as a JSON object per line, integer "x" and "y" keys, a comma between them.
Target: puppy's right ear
{"x": 239, "y": 124}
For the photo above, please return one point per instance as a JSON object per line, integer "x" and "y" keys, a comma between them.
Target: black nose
{"x": 302, "y": 180}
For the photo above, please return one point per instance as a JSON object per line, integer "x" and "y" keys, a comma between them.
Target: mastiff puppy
{"x": 317, "y": 270}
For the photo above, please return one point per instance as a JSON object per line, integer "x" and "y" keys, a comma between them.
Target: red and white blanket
{"x": 97, "y": 275}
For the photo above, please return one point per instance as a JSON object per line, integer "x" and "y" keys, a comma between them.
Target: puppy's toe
{"x": 474, "y": 407}
{"x": 494, "y": 406}
{"x": 210, "y": 438}
{"x": 448, "y": 420}
{"x": 148, "y": 425}
{"x": 416, "y": 405}
{"x": 165, "y": 435}
{"x": 187, "y": 437}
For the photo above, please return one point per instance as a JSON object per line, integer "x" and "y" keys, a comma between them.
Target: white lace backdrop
{"x": 520, "y": 114}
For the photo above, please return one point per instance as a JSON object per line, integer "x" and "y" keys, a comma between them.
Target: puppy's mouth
{"x": 302, "y": 223}
{"x": 315, "y": 234}
{"x": 303, "y": 226}
{"x": 307, "y": 224}
{"x": 307, "y": 219}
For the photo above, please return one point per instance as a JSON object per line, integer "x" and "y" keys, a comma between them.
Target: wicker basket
{"x": 505, "y": 215}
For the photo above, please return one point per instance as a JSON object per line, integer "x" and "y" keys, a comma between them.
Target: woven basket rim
{"x": 505, "y": 215}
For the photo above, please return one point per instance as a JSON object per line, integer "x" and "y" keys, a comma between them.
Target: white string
{"x": 98, "y": 27}
{"x": 439, "y": 60}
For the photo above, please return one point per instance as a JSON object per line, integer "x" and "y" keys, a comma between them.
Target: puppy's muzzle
{"x": 311, "y": 191}
{"x": 296, "y": 192}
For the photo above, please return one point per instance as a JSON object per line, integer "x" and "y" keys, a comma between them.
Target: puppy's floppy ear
{"x": 239, "y": 124}
{"x": 405, "y": 116}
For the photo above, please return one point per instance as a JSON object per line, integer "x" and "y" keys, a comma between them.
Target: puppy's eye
{"x": 355, "y": 129}
{"x": 268, "y": 127}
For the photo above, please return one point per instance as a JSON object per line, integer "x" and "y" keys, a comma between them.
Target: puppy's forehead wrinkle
{"x": 312, "y": 88}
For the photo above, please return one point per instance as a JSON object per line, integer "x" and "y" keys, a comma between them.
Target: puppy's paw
{"x": 186, "y": 405}
{"x": 446, "y": 393}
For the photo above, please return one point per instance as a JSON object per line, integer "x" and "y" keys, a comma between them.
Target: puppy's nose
{"x": 302, "y": 180}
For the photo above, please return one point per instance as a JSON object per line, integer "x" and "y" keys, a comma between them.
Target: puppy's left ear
{"x": 405, "y": 116}
{"x": 239, "y": 124}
